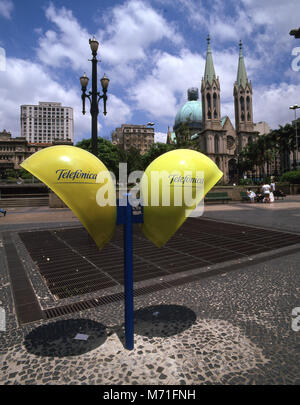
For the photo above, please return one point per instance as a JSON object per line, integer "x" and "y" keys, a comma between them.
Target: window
{"x": 215, "y": 100}
{"x": 208, "y": 98}
{"x": 242, "y": 102}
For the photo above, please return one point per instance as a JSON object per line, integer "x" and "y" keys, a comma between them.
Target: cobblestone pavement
{"x": 231, "y": 328}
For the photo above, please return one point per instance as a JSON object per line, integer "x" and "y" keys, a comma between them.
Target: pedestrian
{"x": 251, "y": 195}
{"x": 3, "y": 211}
{"x": 272, "y": 186}
{"x": 266, "y": 189}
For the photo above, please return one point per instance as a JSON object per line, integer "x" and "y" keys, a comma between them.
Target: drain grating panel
{"x": 72, "y": 265}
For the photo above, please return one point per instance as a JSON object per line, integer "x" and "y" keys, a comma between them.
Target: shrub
{"x": 291, "y": 177}
{"x": 245, "y": 182}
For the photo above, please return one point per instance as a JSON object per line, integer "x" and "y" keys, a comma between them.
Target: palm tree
{"x": 284, "y": 139}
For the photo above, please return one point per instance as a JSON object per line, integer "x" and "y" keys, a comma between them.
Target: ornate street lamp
{"x": 295, "y": 107}
{"x": 295, "y": 32}
{"x": 94, "y": 96}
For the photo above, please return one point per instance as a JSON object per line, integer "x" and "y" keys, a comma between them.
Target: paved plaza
{"x": 232, "y": 324}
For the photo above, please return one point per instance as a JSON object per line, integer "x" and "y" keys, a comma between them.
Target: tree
{"x": 24, "y": 174}
{"x": 108, "y": 153}
{"x": 258, "y": 154}
{"x": 155, "y": 151}
{"x": 285, "y": 141}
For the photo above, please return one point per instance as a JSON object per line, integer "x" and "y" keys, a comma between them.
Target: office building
{"x": 47, "y": 122}
{"x": 129, "y": 136}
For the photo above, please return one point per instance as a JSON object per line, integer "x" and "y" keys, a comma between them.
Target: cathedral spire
{"x": 210, "y": 92}
{"x": 169, "y": 136}
{"x": 209, "y": 73}
{"x": 242, "y": 92}
{"x": 242, "y": 78}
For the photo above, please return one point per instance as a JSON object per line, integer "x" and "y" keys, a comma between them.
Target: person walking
{"x": 272, "y": 186}
{"x": 3, "y": 211}
{"x": 266, "y": 189}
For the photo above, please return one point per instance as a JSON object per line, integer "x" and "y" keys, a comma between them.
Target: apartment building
{"x": 140, "y": 137}
{"x": 47, "y": 122}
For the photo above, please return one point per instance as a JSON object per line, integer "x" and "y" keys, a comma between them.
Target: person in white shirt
{"x": 251, "y": 195}
{"x": 266, "y": 189}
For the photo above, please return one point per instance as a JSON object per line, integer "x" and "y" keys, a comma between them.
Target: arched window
{"x": 250, "y": 139}
{"x": 215, "y": 100}
{"x": 216, "y": 144}
{"x": 236, "y": 109}
{"x": 248, "y": 103}
{"x": 215, "y": 105}
{"x": 242, "y": 103}
{"x": 208, "y": 98}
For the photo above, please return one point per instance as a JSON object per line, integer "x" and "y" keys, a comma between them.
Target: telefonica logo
{"x": 186, "y": 179}
{"x": 67, "y": 174}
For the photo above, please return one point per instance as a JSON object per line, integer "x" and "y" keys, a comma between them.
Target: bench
{"x": 244, "y": 196}
{"x": 217, "y": 197}
{"x": 279, "y": 193}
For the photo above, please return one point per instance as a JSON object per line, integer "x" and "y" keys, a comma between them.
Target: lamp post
{"x": 237, "y": 154}
{"x": 295, "y": 32}
{"x": 94, "y": 96}
{"x": 295, "y": 107}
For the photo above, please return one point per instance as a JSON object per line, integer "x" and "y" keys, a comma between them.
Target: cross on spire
{"x": 242, "y": 78}
{"x": 209, "y": 73}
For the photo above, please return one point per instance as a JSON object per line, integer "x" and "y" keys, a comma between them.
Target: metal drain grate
{"x": 59, "y": 254}
{"x": 26, "y": 303}
{"x": 96, "y": 302}
{"x": 72, "y": 265}
{"x": 93, "y": 303}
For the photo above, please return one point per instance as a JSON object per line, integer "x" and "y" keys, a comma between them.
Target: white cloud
{"x": 68, "y": 46}
{"x": 271, "y": 104}
{"x": 162, "y": 91}
{"x": 225, "y": 21}
{"x": 6, "y": 8}
{"x": 130, "y": 30}
{"x": 160, "y": 137}
{"x": 118, "y": 112}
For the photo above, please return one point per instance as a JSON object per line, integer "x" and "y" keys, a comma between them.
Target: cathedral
{"x": 216, "y": 135}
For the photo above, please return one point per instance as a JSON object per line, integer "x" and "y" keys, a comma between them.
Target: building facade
{"x": 129, "y": 136}
{"x": 47, "y": 122}
{"x": 13, "y": 151}
{"x": 262, "y": 128}
{"x": 216, "y": 135}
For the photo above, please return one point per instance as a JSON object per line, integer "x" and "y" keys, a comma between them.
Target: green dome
{"x": 190, "y": 111}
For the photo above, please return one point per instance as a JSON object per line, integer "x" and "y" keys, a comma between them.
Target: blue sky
{"x": 152, "y": 51}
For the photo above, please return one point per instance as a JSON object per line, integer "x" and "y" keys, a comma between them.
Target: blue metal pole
{"x": 128, "y": 277}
